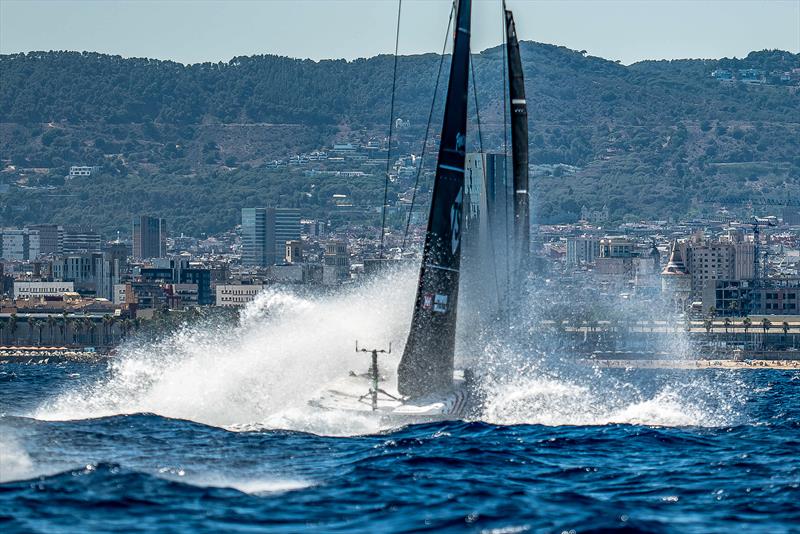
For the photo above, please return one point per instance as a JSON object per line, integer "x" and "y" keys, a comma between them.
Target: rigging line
{"x": 428, "y": 128}
{"x": 484, "y": 191}
{"x": 391, "y": 130}
{"x": 505, "y": 153}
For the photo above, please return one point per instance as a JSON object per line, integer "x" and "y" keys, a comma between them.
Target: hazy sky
{"x": 216, "y": 30}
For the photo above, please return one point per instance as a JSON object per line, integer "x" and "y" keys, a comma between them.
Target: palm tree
{"x": 707, "y": 324}
{"x": 785, "y": 328}
{"x": 31, "y": 327}
{"x": 62, "y": 328}
{"x": 746, "y": 324}
{"x": 80, "y": 328}
{"x": 111, "y": 324}
{"x": 106, "y": 322}
{"x": 92, "y": 329}
{"x": 766, "y": 324}
{"x": 12, "y": 327}
{"x": 727, "y": 324}
{"x": 40, "y": 326}
{"x": 3, "y": 326}
{"x": 127, "y": 325}
{"x": 51, "y": 323}
{"x": 75, "y": 325}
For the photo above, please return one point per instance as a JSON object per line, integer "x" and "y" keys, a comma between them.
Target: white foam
{"x": 15, "y": 463}
{"x": 262, "y": 372}
{"x": 253, "y": 486}
{"x": 555, "y": 402}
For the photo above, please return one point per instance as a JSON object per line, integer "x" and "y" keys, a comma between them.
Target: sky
{"x": 191, "y": 31}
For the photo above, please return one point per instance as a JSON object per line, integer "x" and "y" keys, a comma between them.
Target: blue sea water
{"x": 727, "y": 459}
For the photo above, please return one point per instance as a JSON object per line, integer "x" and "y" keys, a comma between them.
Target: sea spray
{"x": 286, "y": 347}
{"x": 15, "y": 462}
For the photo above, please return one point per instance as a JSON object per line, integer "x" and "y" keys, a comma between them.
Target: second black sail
{"x": 519, "y": 143}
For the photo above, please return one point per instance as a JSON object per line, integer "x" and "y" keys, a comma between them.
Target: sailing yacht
{"x": 428, "y": 385}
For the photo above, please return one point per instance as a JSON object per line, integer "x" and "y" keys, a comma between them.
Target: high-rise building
{"x": 149, "y": 237}
{"x": 257, "y": 246}
{"x": 287, "y": 227}
{"x": 709, "y": 260}
{"x": 19, "y": 244}
{"x": 487, "y": 188}
{"x": 51, "y": 238}
{"x": 81, "y": 241}
{"x": 265, "y": 232}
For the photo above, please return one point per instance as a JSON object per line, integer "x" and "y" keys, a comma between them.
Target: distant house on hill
{"x": 82, "y": 171}
{"x": 722, "y": 75}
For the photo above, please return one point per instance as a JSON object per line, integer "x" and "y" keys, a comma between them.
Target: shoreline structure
{"x": 693, "y": 364}
{"x": 609, "y": 360}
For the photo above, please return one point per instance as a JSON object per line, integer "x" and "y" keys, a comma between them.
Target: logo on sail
{"x": 459, "y": 142}
{"x": 455, "y": 222}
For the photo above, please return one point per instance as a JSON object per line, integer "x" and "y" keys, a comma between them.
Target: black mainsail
{"x": 428, "y": 359}
{"x": 519, "y": 142}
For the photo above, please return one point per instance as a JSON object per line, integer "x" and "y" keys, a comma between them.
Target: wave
{"x": 16, "y": 463}
{"x": 112, "y": 479}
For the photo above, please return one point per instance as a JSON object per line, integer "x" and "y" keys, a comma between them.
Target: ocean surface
{"x": 209, "y": 429}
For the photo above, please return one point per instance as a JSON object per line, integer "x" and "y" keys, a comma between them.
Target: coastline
{"x": 790, "y": 365}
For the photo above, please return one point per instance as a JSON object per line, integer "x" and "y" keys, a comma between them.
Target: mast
{"x": 427, "y": 363}
{"x": 519, "y": 142}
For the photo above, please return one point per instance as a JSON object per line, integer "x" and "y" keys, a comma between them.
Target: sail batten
{"x": 519, "y": 142}
{"x": 428, "y": 359}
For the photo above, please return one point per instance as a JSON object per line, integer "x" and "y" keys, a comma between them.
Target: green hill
{"x": 190, "y": 142}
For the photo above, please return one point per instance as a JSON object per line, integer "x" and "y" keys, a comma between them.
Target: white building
{"x": 237, "y": 294}
{"x": 120, "y": 293}
{"x": 81, "y": 170}
{"x": 27, "y": 290}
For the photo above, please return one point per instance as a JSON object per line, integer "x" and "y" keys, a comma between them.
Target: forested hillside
{"x": 653, "y": 139}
